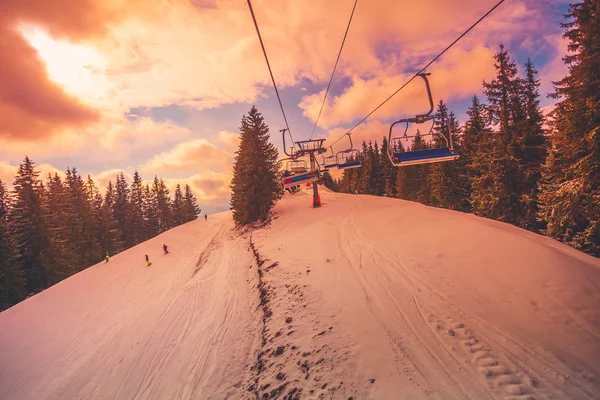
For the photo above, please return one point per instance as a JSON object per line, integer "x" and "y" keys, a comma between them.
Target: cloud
{"x": 8, "y": 172}
{"x": 231, "y": 140}
{"x": 458, "y": 76}
{"x": 189, "y": 156}
{"x": 31, "y": 105}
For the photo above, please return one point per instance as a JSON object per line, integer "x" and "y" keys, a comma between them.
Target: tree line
{"x": 511, "y": 168}
{"x": 52, "y": 229}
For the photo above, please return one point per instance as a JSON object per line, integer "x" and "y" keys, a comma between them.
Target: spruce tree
{"x": 328, "y": 181}
{"x": 447, "y": 181}
{"x": 82, "y": 238}
{"x": 62, "y": 251}
{"x": 532, "y": 149}
{"x": 178, "y": 207}
{"x": 191, "y": 210}
{"x": 138, "y": 224}
{"x": 121, "y": 211}
{"x": 28, "y": 225}
{"x": 161, "y": 204}
{"x": 12, "y": 279}
{"x": 389, "y": 171}
{"x": 255, "y": 185}
{"x": 150, "y": 213}
{"x": 496, "y": 191}
{"x": 570, "y": 189}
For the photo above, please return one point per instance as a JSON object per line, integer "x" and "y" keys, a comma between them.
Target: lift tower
{"x": 310, "y": 148}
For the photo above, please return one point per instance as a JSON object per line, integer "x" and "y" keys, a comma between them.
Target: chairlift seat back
{"x": 425, "y": 156}
{"x": 295, "y": 180}
{"x": 348, "y": 165}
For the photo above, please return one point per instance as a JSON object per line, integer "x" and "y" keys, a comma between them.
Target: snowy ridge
{"x": 366, "y": 297}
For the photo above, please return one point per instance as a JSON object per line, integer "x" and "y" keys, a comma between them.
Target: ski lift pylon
{"x": 425, "y": 156}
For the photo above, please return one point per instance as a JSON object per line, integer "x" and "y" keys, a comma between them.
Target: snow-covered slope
{"x": 365, "y": 297}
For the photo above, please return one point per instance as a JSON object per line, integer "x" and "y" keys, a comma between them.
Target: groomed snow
{"x": 366, "y": 297}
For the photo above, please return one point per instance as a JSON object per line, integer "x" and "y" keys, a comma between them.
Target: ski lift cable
{"x": 270, "y": 71}
{"x": 334, "y": 68}
{"x": 423, "y": 69}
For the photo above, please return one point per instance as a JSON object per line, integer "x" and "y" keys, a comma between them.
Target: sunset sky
{"x": 161, "y": 85}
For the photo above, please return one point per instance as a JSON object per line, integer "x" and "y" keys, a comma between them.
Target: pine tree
{"x": 496, "y": 191}
{"x": 110, "y": 239}
{"x": 447, "y": 181}
{"x": 328, "y": 181}
{"x": 178, "y": 207}
{"x": 365, "y": 174}
{"x": 570, "y": 189}
{"x": 58, "y": 218}
{"x": 139, "y": 228}
{"x": 28, "y": 225}
{"x": 150, "y": 213}
{"x": 255, "y": 184}
{"x": 532, "y": 149}
{"x": 191, "y": 210}
{"x": 389, "y": 171}
{"x": 82, "y": 238}
{"x": 121, "y": 211}
{"x": 161, "y": 204}
{"x": 12, "y": 279}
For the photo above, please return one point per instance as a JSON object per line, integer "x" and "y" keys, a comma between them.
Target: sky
{"x": 160, "y": 86}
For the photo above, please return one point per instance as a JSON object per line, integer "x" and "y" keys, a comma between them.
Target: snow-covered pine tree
{"x": 496, "y": 191}
{"x": 532, "y": 148}
{"x": 570, "y": 191}
{"x": 255, "y": 184}
{"x": 12, "y": 278}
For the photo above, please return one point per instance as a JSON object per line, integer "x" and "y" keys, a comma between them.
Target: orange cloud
{"x": 231, "y": 140}
{"x": 458, "y": 75}
{"x": 9, "y": 171}
{"x": 31, "y": 105}
{"x": 195, "y": 155}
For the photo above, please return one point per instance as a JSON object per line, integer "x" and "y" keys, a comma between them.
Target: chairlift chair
{"x": 425, "y": 156}
{"x": 297, "y": 166}
{"x": 295, "y": 180}
{"x": 347, "y": 159}
{"x": 330, "y": 161}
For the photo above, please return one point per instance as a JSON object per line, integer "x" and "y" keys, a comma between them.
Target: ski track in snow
{"x": 363, "y": 298}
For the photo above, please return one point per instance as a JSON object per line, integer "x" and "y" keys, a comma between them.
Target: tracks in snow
{"x": 443, "y": 348}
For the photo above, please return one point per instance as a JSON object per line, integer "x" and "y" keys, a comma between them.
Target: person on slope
{"x": 107, "y": 256}
{"x": 165, "y": 249}
{"x": 148, "y": 260}
{"x": 205, "y": 217}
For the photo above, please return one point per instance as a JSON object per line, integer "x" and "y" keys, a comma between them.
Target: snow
{"x": 366, "y": 297}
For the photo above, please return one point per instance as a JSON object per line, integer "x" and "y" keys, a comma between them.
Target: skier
{"x": 148, "y": 261}
{"x": 205, "y": 217}
{"x": 165, "y": 249}
{"x": 107, "y": 256}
